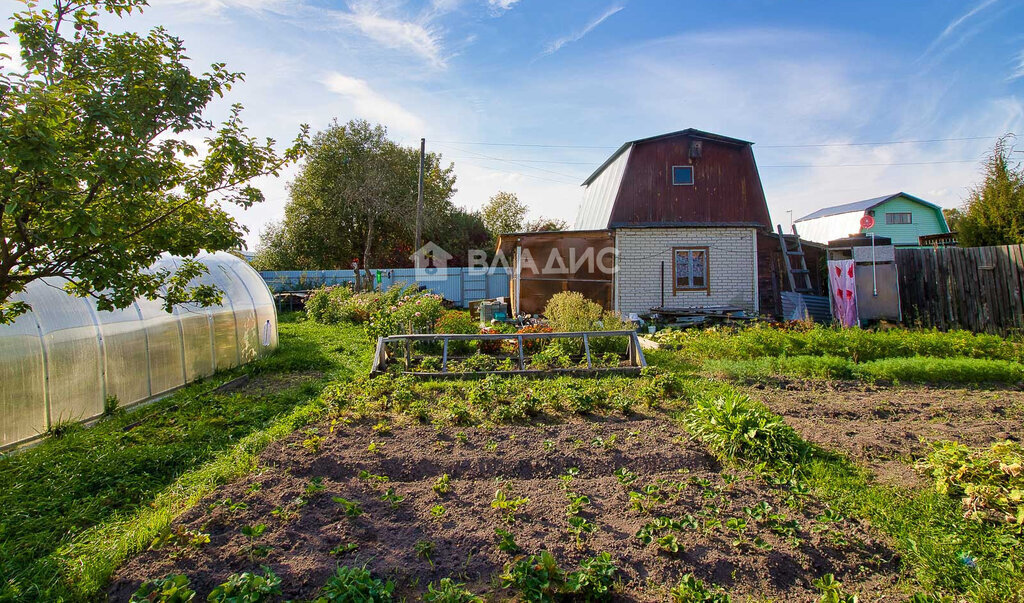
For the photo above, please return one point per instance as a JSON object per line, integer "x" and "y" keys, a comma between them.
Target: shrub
{"x": 532, "y": 346}
{"x": 449, "y": 591}
{"x": 173, "y": 588}
{"x": 737, "y": 428}
{"x": 355, "y": 585}
{"x": 247, "y": 587}
{"x": 990, "y": 481}
{"x": 570, "y": 311}
{"x": 457, "y": 322}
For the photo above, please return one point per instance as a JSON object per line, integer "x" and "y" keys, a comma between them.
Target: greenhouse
{"x": 64, "y": 359}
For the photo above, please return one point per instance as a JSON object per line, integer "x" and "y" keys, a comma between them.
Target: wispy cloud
{"x": 1018, "y": 69}
{"x": 217, "y": 7}
{"x": 371, "y": 105}
{"x": 419, "y": 38}
{"x": 956, "y": 25}
{"x": 557, "y": 45}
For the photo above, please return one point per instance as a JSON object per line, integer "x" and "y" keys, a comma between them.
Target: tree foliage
{"x": 355, "y": 198}
{"x": 98, "y": 177}
{"x": 994, "y": 212}
{"x": 543, "y": 224}
{"x": 504, "y": 213}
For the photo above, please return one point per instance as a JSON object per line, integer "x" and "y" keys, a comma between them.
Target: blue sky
{"x": 591, "y": 75}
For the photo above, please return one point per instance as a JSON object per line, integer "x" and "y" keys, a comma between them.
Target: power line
{"x": 512, "y": 161}
{"x": 761, "y": 146}
{"x": 811, "y": 165}
{"x": 486, "y": 167}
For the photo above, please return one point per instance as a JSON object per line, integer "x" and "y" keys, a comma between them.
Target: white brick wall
{"x": 732, "y": 264}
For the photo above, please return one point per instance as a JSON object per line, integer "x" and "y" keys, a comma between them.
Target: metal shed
{"x": 63, "y": 359}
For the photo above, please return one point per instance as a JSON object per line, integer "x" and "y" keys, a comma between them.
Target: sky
{"x": 843, "y": 100}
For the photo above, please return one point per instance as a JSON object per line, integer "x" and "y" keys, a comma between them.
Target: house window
{"x": 903, "y": 217}
{"x": 691, "y": 269}
{"x": 682, "y": 175}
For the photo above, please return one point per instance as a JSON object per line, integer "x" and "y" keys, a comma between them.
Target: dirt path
{"x": 302, "y": 531}
{"x": 889, "y": 428}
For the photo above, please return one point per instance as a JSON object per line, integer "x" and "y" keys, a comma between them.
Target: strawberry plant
{"x": 442, "y": 485}
{"x": 253, "y": 533}
{"x": 579, "y": 527}
{"x": 832, "y": 591}
{"x": 314, "y": 442}
{"x": 372, "y": 478}
{"x": 692, "y": 590}
{"x": 344, "y": 548}
{"x": 625, "y": 476}
{"x": 173, "y": 588}
{"x": 247, "y": 587}
{"x": 351, "y": 508}
{"x": 391, "y": 497}
{"x": 437, "y": 511}
{"x": 180, "y": 536}
{"x": 594, "y": 580}
{"x": 537, "y": 578}
{"x": 508, "y": 506}
{"x": 355, "y": 585}
{"x": 506, "y": 543}
{"x": 424, "y": 550}
{"x": 449, "y": 591}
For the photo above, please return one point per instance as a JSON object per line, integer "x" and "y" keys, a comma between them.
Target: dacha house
{"x": 677, "y": 220}
{"x": 906, "y": 220}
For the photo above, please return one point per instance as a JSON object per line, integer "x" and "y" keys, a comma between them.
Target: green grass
{"x": 75, "y": 506}
{"x": 917, "y": 369}
{"x": 858, "y": 345}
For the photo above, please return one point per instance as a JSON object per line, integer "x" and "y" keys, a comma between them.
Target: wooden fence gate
{"x": 976, "y": 288}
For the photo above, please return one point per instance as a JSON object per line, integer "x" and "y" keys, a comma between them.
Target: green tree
{"x": 953, "y": 217}
{"x": 543, "y": 224}
{"x": 994, "y": 212}
{"x": 98, "y": 178}
{"x": 355, "y": 198}
{"x": 503, "y": 213}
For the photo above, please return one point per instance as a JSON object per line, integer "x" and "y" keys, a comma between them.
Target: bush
{"x": 326, "y": 304}
{"x": 173, "y": 588}
{"x": 569, "y": 311}
{"x": 739, "y": 429}
{"x": 457, "y": 322}
{"x": 355, "y": 585}
{"x": 989, "y": 481}
{"x": 247, "y": 587}
{"x": 594, "y": 580}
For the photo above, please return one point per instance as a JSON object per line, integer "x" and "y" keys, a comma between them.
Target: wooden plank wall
{"x": 976, "y": 288}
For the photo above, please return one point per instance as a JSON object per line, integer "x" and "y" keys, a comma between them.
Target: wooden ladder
{"x": 801, "y": 272}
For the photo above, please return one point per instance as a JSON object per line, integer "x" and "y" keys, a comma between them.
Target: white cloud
{"x": 1018, "y": 69}
{"x": 418, "y": 38}
{"x": 942, "y": 45}
{"x": 501, "y": 5}
{"x": 371, "y": 105}
{"x": 955, "y": 23}
{"x": 557, "y": 45}
{"x": 218, "y": 7}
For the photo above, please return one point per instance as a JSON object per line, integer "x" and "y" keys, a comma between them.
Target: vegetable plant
{"x": 449, "y": 591}
{"x": 692, "y": 590}
{"x": 594, "y": 580}
{"x": 391, "y": 497}
{"x": 247, "y": 587}
{"x": 173, "y": 588}
{"x": 442, "y": 485}
{"x": 424, "y": 550}
{"x": 355, "y": 585}
{"x": 506, "y": 542}
{"x": 507, "y": 506}
{"x": 350, "y": 507}
{"x": 253, "y": 533}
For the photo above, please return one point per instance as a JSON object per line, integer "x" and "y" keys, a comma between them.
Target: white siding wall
{"x": 732, "y": 269}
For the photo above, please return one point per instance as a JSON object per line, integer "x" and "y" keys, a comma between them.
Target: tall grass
{"x": 858, "y": 345}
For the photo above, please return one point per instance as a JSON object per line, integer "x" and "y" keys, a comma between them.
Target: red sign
{"x": 867, "y": 222}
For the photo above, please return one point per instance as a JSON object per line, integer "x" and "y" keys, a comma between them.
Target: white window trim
{"x": 672, "y": 175}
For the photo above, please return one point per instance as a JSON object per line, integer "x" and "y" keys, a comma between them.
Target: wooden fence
{"x": 976, "y": 288}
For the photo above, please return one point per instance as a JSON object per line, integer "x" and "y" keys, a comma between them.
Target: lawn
{"x": 79, "y": 502}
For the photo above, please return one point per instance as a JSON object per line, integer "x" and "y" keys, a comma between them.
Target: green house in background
{"x": 903, "y": 218}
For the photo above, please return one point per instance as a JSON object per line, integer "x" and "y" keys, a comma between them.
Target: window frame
{"x": 890, "y": 218}
{"x": 707, "y": 269}
{"x": 672, "y": 175}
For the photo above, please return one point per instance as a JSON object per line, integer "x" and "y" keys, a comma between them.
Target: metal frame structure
{"x": 382, "y": 357}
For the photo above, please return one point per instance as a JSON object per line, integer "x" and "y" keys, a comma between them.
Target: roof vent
{"x": 696, "y": 147}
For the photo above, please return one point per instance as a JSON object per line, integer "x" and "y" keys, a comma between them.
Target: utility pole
{"x": 419, "y": 203}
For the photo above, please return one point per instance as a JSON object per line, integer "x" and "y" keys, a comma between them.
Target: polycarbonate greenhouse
{"x": 62, "y": 360}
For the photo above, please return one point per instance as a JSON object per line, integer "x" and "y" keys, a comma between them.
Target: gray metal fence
{"x": 458, "y": 285}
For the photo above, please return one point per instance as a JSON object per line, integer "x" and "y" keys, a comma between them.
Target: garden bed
{"x": 888, "y": 428}
{"x": 781, "y": 549}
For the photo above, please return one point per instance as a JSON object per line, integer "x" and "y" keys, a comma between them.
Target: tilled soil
{"x": 888, "y": 428}
{"x": 527, "y": 462}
